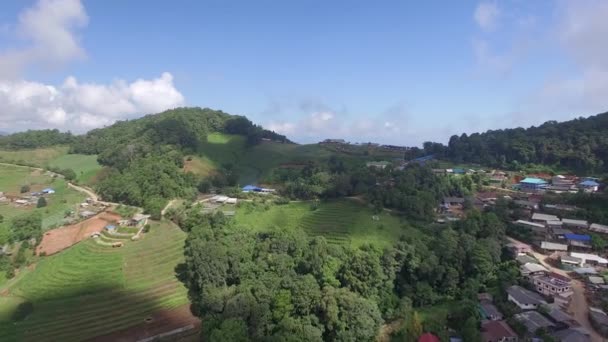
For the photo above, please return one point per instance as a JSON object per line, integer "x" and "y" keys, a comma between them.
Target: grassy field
{"x": 85, "y": 166}
{"x": 34, "y": 157}
{"x": 340, "y": 222}
{"x": 91, "y": 290}
{"x": 64, "y": 198}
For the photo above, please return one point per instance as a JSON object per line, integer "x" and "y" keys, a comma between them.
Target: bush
{"x": 41, "y": 202}
{"x": 147, "y": 228}
{"x": 281, "y": 201}
{"x": 25, "y": 188}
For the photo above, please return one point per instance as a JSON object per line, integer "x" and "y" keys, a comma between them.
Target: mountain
{"x": 578, "y": 145}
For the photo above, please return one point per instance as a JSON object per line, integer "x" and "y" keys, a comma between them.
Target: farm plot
{"x": 340, "y": 221}
{"x": 91, "y": 290}
{"x": 56, "y": 240}
{"x": 86, "y": 167}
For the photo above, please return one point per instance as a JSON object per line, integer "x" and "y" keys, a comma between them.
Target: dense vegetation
{"x": 580, "y": 145}
{"x": 35, "y": 139}
{"x": 285, "y": 286}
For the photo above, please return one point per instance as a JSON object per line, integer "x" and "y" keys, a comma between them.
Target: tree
{"x": 26, "y": 226}
{"x": 41, "y": 202}
{"x": 233, "y": 329}
{"x": 69, "y": 174}
{"x": 470, "y": 330}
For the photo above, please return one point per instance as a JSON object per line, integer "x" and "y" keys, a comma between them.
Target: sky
{"x": 398, "y": 72}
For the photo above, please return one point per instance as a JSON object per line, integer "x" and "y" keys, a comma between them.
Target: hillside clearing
{"x": 85, "y": 166}
{"x": 91, "y": 290}
{"x": 39, "y": 157}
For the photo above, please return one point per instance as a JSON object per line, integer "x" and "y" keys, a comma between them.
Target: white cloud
{"x": 47, "y": 32}
{"x": 486, "y": 15}
{"x": 79, "y": 107}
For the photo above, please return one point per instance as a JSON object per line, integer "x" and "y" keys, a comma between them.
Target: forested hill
{"x": 579, "y": 145}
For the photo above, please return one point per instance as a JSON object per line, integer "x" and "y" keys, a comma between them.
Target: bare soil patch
{"x": 56, "y": 240}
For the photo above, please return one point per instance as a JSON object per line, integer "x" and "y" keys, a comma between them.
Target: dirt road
{"x": 578, "y": 305}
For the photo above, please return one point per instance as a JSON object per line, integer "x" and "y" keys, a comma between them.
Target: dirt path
{"x": 578, "y": 305}
{"x": 169, "y": 205}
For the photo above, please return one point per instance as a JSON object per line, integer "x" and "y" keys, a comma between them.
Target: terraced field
{"x": 91, "y": 290}
{"x": 340, "y": 222}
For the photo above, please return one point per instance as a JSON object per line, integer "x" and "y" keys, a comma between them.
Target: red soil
{"x": 56, "y": 240}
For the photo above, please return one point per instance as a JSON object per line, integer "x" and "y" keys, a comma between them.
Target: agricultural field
{"x": 64, "y": 198}
{"x": 91, "y": 290}
{"x": 85, "y": 166}
{"x": 33, "y": 157}
{"x": 340, "y": 222}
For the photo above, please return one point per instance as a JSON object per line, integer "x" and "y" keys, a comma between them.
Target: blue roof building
{"x": 589, "y": 183}
{"x": 577, "y": 237}
{"x": 249, "y": 188}
{"x": 533, "y": 184}
{"x": 48, "y": 191}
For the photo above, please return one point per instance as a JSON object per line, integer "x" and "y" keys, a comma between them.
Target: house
{"x": 526, "y": 204}
{"x": 544, "y": 218}
{"x": 590, "y": 259}
{"x": 559, "y": 233}
{"x": 428, "y": 337}
{"x": 453, "y": 201}
{"x": 533, "y": 321}
{"x": 570, "y": 260}
{"x": 518, "y": 248}
{"x": 580, "y": 224}
{"x": 524, "y": 259}
{"x": 552, "y": 246}
{"x": 552, "y": 284}
{"x": 138, "y": 219}
{"x": 596, "y": 281}
{"x": 378, "y": 165}
{"x": 489, "y": 311}
{"x": 533, "y": 226}
{"x": 583, "y": 271}
{"x": 578, "y": 240}
{"x": 589, "y": 185}
{"x": 562, "y": 180}
{"x": 497, "y": 331}
{"x": 531, "y": 269}
{"x": 524, "y": 299}
{"x": 533, "y": 184}
{"x": 571, "y": 335}
{"x": 599, "y": 320}
{"x": 598, "y": 228}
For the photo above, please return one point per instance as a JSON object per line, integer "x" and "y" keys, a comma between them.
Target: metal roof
{"x": 533, "y": 181}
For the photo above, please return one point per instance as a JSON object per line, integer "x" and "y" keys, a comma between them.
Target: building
{"x": 589, "y": 259}
{"x": 572, "y": 335}
{"x": 453, "y": 201}
{"x": 538, "y": 229}
{"x": 589, "y": 185}
{"x": 579, "y": 224}
{"x": 533, "y": 321}
{"x": 578, "y": 240}
{"x": 497, "y": 331}
{"x": 138, "y": 219}
{"x": 524, "y": 299}
{"x": 489, "y": 311}
{"x": 570, "y": 260}
{"x": 552, "y": 246}
{"x": 543, "y": 218}
{"x": 526, "y": 204}
{"x": 552, "y": 284}
{"x": 524, "y": 259}
{"x": 378, "y": 165}
{"x": 598, "y": 228}
{"x": 533, "y": 184}
{"x": 518, "y": 248}
{"x": 532, "y": 269}
{"x": 86, "y": 213}
{"x": 110, "y": 228}
{"x": 428, "y": 337}
{"x": 562, "y": 180}
{"x": 559, "y": 233}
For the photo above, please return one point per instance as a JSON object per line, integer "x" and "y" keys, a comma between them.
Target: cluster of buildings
{"x": 559, "y": 184}
{"x": 25, "y": 199}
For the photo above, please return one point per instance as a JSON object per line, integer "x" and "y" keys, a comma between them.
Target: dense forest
{"x": 286, "y": 286}
{"x": 578, "y": 145}
{"x": 35, "y": 139}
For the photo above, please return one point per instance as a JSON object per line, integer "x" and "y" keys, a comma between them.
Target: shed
{"x": 575, "y": 223}
{"x": 567, "y": 259}
{"x": 552, "y": 246}
{"x": 598, "y": 228}
{"x": 544, "y": 217}
{"x": 48, "y": 191}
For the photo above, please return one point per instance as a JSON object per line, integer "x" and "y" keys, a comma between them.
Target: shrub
{"x": 41, "y": 202}
{"x": 147, "y": 228}
{"x": 23, "y": 310}
{"x": 25, "y": 188}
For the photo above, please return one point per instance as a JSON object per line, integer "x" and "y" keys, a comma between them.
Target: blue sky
{"x": 399, "y": 72}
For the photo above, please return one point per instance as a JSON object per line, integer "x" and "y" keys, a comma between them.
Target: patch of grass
{"x": 200, "y": 166}
{"x": 33, "y": 157}
{"x": 85, "y": 166}
{"x": 90, "y": 289}
{"x": 340, "y": 221}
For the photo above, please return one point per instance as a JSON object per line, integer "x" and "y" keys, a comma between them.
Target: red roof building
{"x": 428, "y": 337}
{"x": 497, "y": 331}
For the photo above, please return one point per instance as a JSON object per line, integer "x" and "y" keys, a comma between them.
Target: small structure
{"x": 497, "y": 331}
{"x": 231, "y": 200}
{"x": 48, "y": 191}
{"x": 524, "y": 259}
{"x": 596, "y": 281}
{"x": 589, "y": 185}
{"x": 570, "y": 260}
{"x": 378, "y": 165}
{"x": 544, "y": 218}
{"x": 95, "y": 235}
{"x": 590, "y": 259}
{"x": 532, "y": 269}
{"x": 552, "y": 246}
{"x": 578, "y": 240}
{"x": 526, "y": 204}
{"x": 428, "y": 337}
{"x": 585, "y": 271}
{"x": 524, "y": 299}
{"x": 489, "y": 311}
{"x": 571, "y": 335}
{"x": 598, "y": 228}
{"x": 138, "y": 219}
{"x": 533, "y": 184}
{"x": 533, "y": 321}
{"x": 110, "y": 228}
{"x": 518, "y": 248}
{"x": 251, "y": 188}
{"x": 579, "y": 224}
{"x": 220, "y": 198}
{"x": 86, "y": 213}
{"x": 453, "y": 201}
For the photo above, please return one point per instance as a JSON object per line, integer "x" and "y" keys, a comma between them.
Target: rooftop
{"x": 533, "y": 267}
{"x": 496, "y": 330}
{"x": 533, "y": 320}
{"x": 525, "y": 296}
{"x": 544, "y": 217}
{"x": 552, "y": 246}
{"x": 530, "y": 180}
{"x": 528, "y": 223}
{"x": 588, "y": 257}
{"x": 589, "y": 183}
{"x": 577, "y": 237}
{"x": 596, "y": 280}
{"x": 600, "y": 228}
{"x": 575, "y": 222}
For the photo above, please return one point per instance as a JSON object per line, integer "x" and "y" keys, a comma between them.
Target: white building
{"x": 524, "y": 299}
{"x": 589, "y": 259}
